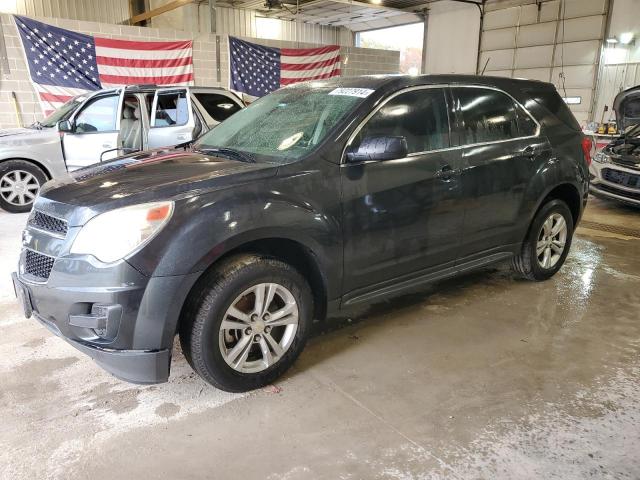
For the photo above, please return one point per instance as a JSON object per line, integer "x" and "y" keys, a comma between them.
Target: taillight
{"x": 587, "y": 144}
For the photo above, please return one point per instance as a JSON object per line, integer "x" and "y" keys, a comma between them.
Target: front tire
{"x": 246, "y": 322}
{"x": 547, "y": 244}
{"x": 20, "y": 182}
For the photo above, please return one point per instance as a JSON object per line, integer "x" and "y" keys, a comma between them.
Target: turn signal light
{"x": 159, "y": 213}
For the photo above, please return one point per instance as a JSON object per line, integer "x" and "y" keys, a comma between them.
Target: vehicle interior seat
{"x": 131, "y": 128}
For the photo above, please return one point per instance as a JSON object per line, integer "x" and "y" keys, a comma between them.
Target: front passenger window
{"x": 98, "y": 116}
{"x": 418, "y": 115}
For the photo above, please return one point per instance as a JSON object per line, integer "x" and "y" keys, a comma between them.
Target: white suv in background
{"x": 102, "y": 125}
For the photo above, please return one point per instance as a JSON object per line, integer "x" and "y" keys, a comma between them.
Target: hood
{"x": 10, "y": 133}
{"x": 627, "y": 108}
{"x": 14, "y": 131}
{"x": 145, "y": 177}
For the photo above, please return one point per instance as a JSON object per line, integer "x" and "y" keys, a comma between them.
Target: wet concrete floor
{"x": 480, "y": 377}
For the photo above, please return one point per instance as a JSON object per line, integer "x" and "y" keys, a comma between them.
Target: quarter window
{"x": 419, "y": 115}
{"x": 98, "y": 116}
{"x": 218, "y": 107}
{"x": 172, "y": 109}
{"x": 485, "y": 115}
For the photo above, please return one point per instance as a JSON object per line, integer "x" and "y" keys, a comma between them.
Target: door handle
{"x": 445, "y": 173}
{"x": 529, "y": 152}
{"x": 107, "y": 145}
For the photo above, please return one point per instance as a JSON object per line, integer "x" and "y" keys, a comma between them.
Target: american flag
{"x": 63, "y": 63}
{"x": 258, "y": 70}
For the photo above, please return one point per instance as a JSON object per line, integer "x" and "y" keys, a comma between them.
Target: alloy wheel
{"x": 258, "y": 328}
{"x": 19, "y": 187}
{"x": 551, "y": 241}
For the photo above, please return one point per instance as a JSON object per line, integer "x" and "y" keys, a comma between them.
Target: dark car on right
{"x": 315, "y": 198}
{"x": 615, "y": 172}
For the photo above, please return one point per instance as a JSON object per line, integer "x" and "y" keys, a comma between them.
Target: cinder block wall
{"x": 356, "y": 61}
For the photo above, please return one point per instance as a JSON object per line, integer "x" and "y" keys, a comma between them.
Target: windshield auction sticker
{"x": 352, "y": 92}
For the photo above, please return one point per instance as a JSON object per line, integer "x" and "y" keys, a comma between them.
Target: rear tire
{"x": 248, "y": 351}
{"x": 547, "y": 244}
{"x": 20, "y": 182}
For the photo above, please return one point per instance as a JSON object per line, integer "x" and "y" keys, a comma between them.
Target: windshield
{"x": 63, "y": 112}
{"x": 284, "y": 125}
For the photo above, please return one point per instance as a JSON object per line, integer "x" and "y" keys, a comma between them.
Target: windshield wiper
{"x": 228, "y": 152}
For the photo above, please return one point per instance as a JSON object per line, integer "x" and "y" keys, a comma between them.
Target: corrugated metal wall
{"x": 243, "y": 23}
{"x": 613, "y": 80}
{"x": 230, "y": 21}
{"x": 558, "y": 42}
{"x": 111, "y": 11}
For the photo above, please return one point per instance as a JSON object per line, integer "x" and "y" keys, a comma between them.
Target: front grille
{"x": 48, "y": 223}
{"x": 37, "y": 264}
{"x": 617, "y": 191}
{"x": 625, "y": 179}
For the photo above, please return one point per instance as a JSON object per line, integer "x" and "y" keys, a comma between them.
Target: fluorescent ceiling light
{"x": 376, "y": 2}
{"x": 612, "y": 40}
{"x": 626, "y": 38}
{"x": 572, "y": 100}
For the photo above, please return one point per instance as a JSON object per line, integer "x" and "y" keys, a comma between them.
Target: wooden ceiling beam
{"x": 167, "y": 7}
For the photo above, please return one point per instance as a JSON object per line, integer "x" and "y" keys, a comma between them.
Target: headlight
{"x": 118, "y": 233}
{"x": 601, "y": 157}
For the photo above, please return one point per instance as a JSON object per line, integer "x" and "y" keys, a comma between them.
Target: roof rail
{"x": 142, "y": 85}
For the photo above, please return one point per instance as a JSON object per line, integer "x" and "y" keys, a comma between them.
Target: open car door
{"x": 171, "y": 119}
{"x": 94, "y": 132}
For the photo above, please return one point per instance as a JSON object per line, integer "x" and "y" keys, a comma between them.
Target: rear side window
{"x": 171, "y": 109}
{"x": 526, "y": 126}
{"x": 485, "y": 115}
{"x": 419, "y": 115}
{"x": 218, "y": 107}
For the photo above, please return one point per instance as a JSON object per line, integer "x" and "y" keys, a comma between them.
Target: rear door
{"x": 403, "y": 215}
{"x": 501, "y": 151}
{"x": 95, "y": 130}
{"x": 172, "y": 119}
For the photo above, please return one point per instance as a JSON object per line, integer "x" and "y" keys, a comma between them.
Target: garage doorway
{"x": 407, "y": 39}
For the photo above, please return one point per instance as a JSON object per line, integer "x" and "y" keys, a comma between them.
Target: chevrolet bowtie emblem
{"x": 26, "y": 238}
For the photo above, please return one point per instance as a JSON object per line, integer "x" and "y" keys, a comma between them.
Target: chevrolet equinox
{"x": 316, "y": 198}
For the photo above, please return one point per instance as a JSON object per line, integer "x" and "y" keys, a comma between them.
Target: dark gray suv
{"x": 316, "y": 198}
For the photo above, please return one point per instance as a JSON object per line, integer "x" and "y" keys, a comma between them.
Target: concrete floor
{"x": 479, "y": 377}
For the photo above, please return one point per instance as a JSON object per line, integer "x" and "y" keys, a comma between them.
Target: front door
{"x": 404, "y": 215}
{"x": 172, "y": 119}
{"x": 95, "y": 129}
{"x": 501, "y": 151}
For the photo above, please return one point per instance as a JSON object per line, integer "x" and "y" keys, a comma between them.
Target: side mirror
{"x": 65, "y": 126}
{"x": 379, "y": 148}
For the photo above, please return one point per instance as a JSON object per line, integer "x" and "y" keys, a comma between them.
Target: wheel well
{"x": 35, "y": 162}
{"x": 569, "y": 195}
{"x": 296, "y": 255}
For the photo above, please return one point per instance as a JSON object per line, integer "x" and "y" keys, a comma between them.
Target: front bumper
{"x": 135, "y": 366}
{"x": 135, "y": 343}
{"x": 600, "y": 187}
